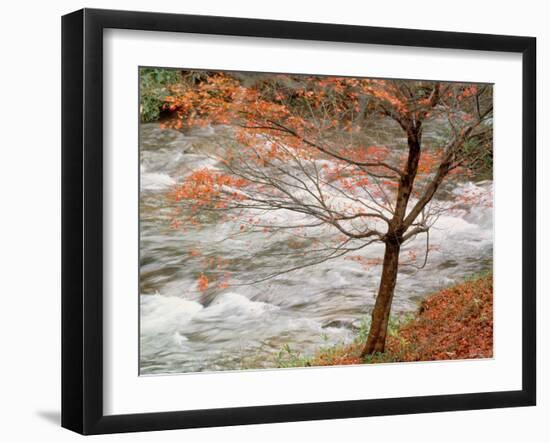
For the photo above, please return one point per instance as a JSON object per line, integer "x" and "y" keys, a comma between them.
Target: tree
{"x": 317, "y": 146}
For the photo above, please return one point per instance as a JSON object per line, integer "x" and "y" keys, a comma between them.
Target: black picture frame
{"x": 82, "y": 219}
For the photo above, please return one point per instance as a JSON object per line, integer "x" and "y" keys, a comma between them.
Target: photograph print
{"x": 293, "y": 220}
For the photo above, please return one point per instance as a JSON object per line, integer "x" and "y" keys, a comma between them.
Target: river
{"x": 184, "y": 330}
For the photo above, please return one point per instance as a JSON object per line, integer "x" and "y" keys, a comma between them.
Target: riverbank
{"x": 452, "y": 324}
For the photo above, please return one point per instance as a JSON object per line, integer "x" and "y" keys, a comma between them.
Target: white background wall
{"x": 30, "y": 219}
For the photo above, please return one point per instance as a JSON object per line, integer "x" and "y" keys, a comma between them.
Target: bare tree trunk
{"x": 376, "y": 340}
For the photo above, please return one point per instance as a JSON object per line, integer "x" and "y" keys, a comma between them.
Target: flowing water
{"x": 185, "y": 330}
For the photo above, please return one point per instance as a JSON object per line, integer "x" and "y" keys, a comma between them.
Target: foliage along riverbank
{"x": 455, "y": 323}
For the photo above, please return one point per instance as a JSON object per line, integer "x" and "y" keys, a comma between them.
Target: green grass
{"x": 154, "y": 86}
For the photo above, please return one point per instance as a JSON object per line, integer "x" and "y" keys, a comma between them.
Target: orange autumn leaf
{"x": 202, "y": 282}
{"x": 194, "y": 253}
{"x": 175, "y": 224}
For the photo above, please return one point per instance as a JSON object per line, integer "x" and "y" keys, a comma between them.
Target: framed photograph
{"x": 269, "y": 221}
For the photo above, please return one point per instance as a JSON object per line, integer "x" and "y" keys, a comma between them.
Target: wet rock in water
{"x": 447, "y": 264}
{"x": 357, "y": 324}
{"x": 338, "y": 324}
